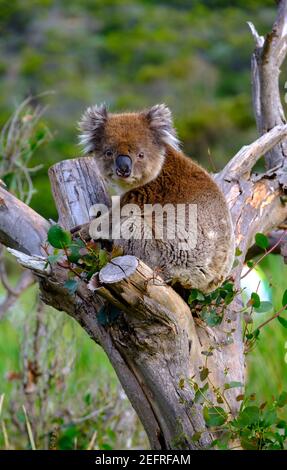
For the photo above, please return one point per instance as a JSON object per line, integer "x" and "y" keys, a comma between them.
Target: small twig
{"x": 277, "y": 314}
{"x": 29, "y": 429}
{"x": 259, "y": 40}
{"x": 70, "y": 269}
{"x": 264, "y": 255}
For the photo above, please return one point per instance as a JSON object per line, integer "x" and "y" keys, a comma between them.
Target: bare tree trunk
{"x": 155, "y": 345}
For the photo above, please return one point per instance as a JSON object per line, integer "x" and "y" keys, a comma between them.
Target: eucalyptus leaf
{"x": 264, "y": 307}
{"x": 71, "y": 285}
{"x": 214, "y": 416}
{"x": 58, "y": 237}
{"x": 261, "y": 240}
{"x": 283, "y": 321}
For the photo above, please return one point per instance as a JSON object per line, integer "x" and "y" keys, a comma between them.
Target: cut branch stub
{"x": 77, "y": 185}
{"x": 118, "y": 269}
{"x": 129, "y": 282}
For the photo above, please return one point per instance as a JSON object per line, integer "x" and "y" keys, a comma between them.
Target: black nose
{"x": 123, "y": 165}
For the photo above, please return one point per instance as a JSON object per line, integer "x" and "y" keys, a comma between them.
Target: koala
{"x": 139, "y": 156}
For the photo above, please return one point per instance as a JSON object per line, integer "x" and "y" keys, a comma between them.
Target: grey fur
{"x": 90, "y": 125}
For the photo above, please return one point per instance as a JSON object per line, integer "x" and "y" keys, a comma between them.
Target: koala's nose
{"x": 123, "y": 165}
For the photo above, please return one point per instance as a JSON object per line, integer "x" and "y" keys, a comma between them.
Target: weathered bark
{"x": 21, "y": 227}
{"x": 266, "y": 61}
{"x": 162, "y": 318}
{"x": 154, "y": 344}
{"x": 76, "y": 188}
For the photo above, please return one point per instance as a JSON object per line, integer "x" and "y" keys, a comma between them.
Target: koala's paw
{"x": 81, "y": 231}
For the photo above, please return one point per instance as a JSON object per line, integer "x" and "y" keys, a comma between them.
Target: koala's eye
{"x": 108, "y": 153}
{"x": 141, "y": 155}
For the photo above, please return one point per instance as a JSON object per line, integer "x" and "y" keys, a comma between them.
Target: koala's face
{"x": 127, "y": 152}
{"x": 129, "y": 147}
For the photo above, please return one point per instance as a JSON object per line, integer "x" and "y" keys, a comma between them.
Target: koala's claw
{"x": 81, "y": 231}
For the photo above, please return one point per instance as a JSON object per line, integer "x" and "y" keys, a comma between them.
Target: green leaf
{"x": 284, "y": 299}
{"x": 114, "y": 313}
{"x": 238, "y": 252}
{"x": 256, "y": 333}
{"x": 196, "y": 436}
{"x": 211, "y": 317}
{"x": 249, "y": 443}
{"x": 281, "y": 424}
{"x": 71, "y": 285}
{"x": 283, "y": 321}
{"x": 240, "y": 397}
{"x": 181, "y": 383}
{"x": 199, "y": 395}
{"x": 67, "y": 438}
{"x": 54, "y": 258}
{"x": 78, "y": 242}
{"x": 250, "y": 415}
{"x": 222, "y": 442}
{"x": 249, "y": 335}
{"x": 252, "y": 335}
{"x": 269, "y": 418}
{"x": 255, "y": 300}
{"x": 207, "y": 353}
{"x": 233, "y": 384}
{"x": 214, "y": 416}
{"x": 58, "y": 237}
{"x": 204, "y": 373}
{"x": 261, "y": 240}
{"x": 192, "y": 296}
{"x": 195, "y": 295}
{"x": 103, "y": 258}
{"x": 228, "y": 286}
{"x": 108, "y": 314}
{"x": 282, "y": 400}
{"x": 74, "y": 253}
{"x": 102, "y": 316}
{"x": 88, "y": 399}
{"x": 76, "y": 249}
{"x": 250, "y": 264}
{"x": 264, "y": 307}
{"x": 235, "y": 263}
{"x": 228, "y": 299}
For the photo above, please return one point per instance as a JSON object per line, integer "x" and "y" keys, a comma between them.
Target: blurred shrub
{"x": 193, "y": 55}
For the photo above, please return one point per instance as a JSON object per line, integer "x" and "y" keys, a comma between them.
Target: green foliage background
{"x": 193, "y": 55}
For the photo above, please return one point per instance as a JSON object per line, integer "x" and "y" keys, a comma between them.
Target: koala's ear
{"x": 91, "y": 126}
{"x": 160, "y": 122}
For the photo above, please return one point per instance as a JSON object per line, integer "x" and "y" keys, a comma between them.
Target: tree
{"x": 162, "y": 353}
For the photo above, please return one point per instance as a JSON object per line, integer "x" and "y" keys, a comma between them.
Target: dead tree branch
{"x": 266, "y": 61}
{"x": 154, "y": 344}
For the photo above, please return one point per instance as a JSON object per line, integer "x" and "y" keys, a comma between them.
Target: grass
{"x": 267, "y": 364}
{"x": 84, "y": 404}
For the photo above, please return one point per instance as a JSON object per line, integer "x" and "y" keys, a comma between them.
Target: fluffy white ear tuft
{"x": 160, "y": 122}
{"x": 91, "y": 126}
